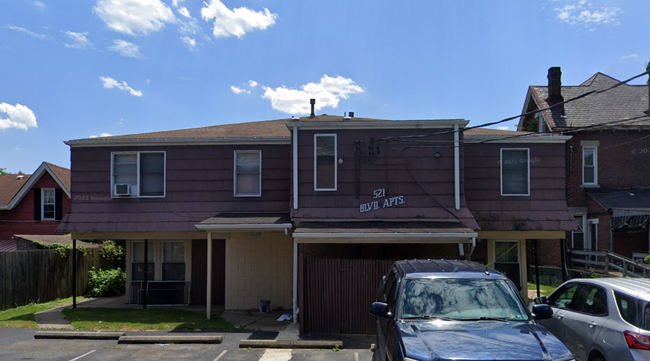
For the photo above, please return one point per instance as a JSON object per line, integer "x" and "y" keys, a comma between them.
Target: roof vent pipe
{"x": 312, "y": 102}
{"x": 555, "y": 88}
{"x": 351, "y": 114}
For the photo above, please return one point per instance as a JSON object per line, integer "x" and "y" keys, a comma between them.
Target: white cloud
{"x": 583, "y": 13}
{"x": 25, "y": 31}
{"x": 189, "y": 42}
{"x": 238, "y": 90}
{"x": 110, "y": 83}
{"x": 79, "y": 40}
{"x": 186, "y": 13}
{"x": 16, "y": 116}
{"x": 134, "y": 17}
{"x": 101, "y": 135}
{"x": 252, "y": 83}
{"x": 121, "y": 121}
{"x": 503, "y": 128}
{"x": 632, "y": 56}
{"x": 328, "y": 92}
{"x": 39, "y": 4}
{"x": 236, "y": 22}
{"x": 125, "y": 48}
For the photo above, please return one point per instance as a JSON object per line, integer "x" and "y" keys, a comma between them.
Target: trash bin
{"x": 265, "y": 306}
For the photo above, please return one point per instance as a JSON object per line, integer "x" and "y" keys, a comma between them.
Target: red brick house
{"x": 33, "y": 203}
{"x": 607, "y": 160}
{"x": 291, "y": 210}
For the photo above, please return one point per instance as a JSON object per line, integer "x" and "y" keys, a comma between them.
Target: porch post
{"x": 208, "y": 296}
{"x": 295, "y": 280}
{"x": 537, "y": 266}
{"x": 74, "y": 273}
{"x": 146, "y": 274}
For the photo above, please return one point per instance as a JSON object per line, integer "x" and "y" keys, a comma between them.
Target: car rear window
{"x": 633, "y": 311}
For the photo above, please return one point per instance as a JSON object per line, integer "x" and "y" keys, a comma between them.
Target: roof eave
{"x": 379, "y": 124}
{"x": 536, "y": 139}
{"x": 243, "y": 227}
{"x": 98, "y": 142}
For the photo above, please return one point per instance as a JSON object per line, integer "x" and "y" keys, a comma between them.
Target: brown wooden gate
{"x": 198, "y": 289}
{"x": 338, "y": 294}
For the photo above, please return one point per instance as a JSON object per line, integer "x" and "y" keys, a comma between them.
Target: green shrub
{"x": 106, "y": 283}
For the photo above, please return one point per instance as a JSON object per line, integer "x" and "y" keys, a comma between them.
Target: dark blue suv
{"x": 458, "y": 310}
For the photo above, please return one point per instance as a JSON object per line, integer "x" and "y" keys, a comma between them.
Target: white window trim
{"x": 583, "y": 226}
{"x": 519, "y": 255}
{"x": 162, "y": 257}
{"x": 336, "y": 164}
{"x": 137, "y": 186}
{"x": 501, "y": 172}
{"x": 234, "y": 190}
{"x": 43, "y": 190}
{"x": 595, "y": 150}
{"x": 588, "y": 234}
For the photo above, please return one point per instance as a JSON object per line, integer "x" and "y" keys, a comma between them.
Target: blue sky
{"x": 77, "y": 69}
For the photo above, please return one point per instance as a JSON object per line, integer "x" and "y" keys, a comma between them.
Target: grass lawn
{"x": 23, "y": 316}
{"x": 543, "y": 290}
{"x": 112, "y": 319}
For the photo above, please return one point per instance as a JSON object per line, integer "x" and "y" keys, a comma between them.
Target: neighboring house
{"x": 308, "y": 213}
{"x": 607, "y": 160}
{"x": 33, "y": 203}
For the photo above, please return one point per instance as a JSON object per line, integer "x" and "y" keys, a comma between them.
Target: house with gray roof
{"x": 296, "y": 213}
{"x": 607, "y": 159}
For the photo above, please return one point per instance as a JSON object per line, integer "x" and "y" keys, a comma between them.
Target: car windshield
{"x": 460, "y": 299}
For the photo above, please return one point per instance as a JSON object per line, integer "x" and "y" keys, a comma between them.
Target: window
{"x": 515, "y": 172}
{"x": 589, "y": 165}
{"x": 47, "y": 204}
{"x": 173, "y": 267}
{"x": 138, "y": 174}
{"x": 578, "y": 237}
{"x": 248, "y": 173}
{"x": 137, "y": 262}
{"x": 589, "y": 299}
{"x": 506, "y": 260}
{"x": 325, "y": 162}
{"x": 562, "y": 297}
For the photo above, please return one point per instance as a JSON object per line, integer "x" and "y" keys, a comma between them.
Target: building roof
{"x": 268, "y": 130}
{"x": 631, "y": 200}
{"x": 620, "y": 103}
{"x": 53, "y": 239}
{"x": 13, "y": 187}
{"x": 480, "y": 135}
{"x": 8, "y": 245}
{"x": 246, "y": 222}
{"x": 387, "y": 232}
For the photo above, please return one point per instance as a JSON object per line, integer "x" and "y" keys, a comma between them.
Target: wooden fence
{"x": 44, "y": 275}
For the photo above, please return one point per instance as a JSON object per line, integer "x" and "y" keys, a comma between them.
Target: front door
{"x": 200, "y": 271}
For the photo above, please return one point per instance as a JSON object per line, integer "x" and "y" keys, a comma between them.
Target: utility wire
{"x": 593, "y": 92}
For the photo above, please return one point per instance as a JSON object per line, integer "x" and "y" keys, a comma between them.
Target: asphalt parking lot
{"x": 19, "y": 344}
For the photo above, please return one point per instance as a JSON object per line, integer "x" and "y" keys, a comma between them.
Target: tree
{"x": 3, "y": 171}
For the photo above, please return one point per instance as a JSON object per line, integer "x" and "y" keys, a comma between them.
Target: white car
{"x": 602, "y": 319}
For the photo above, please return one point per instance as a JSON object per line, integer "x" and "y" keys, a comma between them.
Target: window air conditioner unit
{"x": 122, "y": 190}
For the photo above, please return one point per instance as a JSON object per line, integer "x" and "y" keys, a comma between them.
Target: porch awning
{"x": 246, "y": 222}
{"x": 383, "y": 232}
{"x": 630, "y": 208}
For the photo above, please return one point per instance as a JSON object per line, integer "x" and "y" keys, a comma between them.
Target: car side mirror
{"x": 542, "y": 312}
{"x": 379, "y": 309}
{"x": 540, "y": 300}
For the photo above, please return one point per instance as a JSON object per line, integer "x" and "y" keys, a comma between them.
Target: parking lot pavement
{"x": 18, "y": 344}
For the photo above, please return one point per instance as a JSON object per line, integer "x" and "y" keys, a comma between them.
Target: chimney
{"x": 312, "y": 102}
{"x": 351, "y": 114}
{"x": 555, "y": 87}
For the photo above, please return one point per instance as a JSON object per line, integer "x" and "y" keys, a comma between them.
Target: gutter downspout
{"x": 457, "y": 166}
{"x": 295, "y": 167}
{"x": 295, "y": 281}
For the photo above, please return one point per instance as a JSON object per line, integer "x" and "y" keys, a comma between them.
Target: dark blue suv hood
{"x": 480, "y": 340}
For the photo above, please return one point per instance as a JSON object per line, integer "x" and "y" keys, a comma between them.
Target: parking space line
{"x": 84, "y": 355}
{"x": 356, "y": 356}
{"x": 221, "y": 355}
{"x": 276, "y": 355}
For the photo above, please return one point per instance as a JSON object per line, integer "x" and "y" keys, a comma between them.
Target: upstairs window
{"x": 515, "y": 172}
{"x": 47, "y": 204}
{"x": 138, "y": 174}
{"x": 248, "y": 173}
{"x": 590, "y": 166}
{"x": 325, "y": 162}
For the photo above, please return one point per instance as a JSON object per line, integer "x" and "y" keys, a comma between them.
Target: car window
{"x": 563, "y": 296}
{"x": 390, "y": 292}
{"x": 630, "y": 309}
{"x": 595, "y": 301}
{"x": 460, "y": 299}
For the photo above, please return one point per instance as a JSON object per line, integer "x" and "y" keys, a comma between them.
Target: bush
{"x": 106, "y": 283}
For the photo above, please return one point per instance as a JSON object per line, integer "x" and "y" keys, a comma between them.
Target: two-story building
{"x": 309, "y": 212}
{"x": 33, "y": 204}
{"x": 607, "y": 159}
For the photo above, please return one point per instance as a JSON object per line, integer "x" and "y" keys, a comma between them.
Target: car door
{"x": 386, "y": 295}
{"x": 584, "y": 319}
{"x": 559, "y": 301}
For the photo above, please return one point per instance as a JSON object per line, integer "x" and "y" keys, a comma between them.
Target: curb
{"x": 289, "y": 344}
{"x": 169, "y": 339}
{"x": 79, "y": 335}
